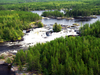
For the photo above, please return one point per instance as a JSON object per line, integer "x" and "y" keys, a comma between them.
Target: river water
{"x": 64, "y": 21}
{"x": 5, "y": 47}
{"x": 5, "y": 71}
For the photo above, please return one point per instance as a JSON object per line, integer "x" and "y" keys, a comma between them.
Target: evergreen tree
{"x": 56, "y": 28}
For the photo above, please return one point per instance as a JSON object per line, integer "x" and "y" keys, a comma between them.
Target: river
{"x": 6, "y": 47}
{"x": 64, "y": 21}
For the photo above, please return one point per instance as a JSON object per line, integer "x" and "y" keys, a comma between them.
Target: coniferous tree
{"x": 56, "y": 28}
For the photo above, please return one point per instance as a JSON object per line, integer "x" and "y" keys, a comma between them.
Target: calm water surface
{"x": 64, "y": 21}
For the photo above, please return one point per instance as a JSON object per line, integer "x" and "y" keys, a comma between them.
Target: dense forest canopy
{"x": 24, "y": 1}
{"x": 64, "y": 56}
{"x": 12, "y": 24}
{"x": 79, "y": 8}
{"x": 92, "y": 29}
{"x": 52, "y": 13}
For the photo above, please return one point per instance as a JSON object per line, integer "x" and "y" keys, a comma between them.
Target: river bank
{"x": 72, "y": 18}
{"x": 37, "y": 35}
{"x": 10, "y": 46}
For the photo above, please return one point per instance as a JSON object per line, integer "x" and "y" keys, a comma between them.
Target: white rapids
{"x": 39, "y": 36}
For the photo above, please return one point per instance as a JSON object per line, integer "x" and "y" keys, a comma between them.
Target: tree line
{"x": 79, "y": 8}
{"x": 91, "y": 8}
{"x": 52, "y": 14}
{"x": 92, "y": 29}
{"x": 25, "y": 1}
{"x": 63, "y": 56}
{"x": 12, "y": 24}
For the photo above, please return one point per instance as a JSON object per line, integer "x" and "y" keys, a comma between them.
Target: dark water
{"x": 4, "y": 47}
{"x": 4, "y": 70}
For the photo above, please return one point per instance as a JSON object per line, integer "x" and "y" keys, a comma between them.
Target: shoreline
{"x": 35, "y": 36}
{"x": 72, "y": 18}
{"x": 21, "y": 46}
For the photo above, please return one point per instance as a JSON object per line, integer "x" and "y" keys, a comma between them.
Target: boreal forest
{"x": 65, "y": 56}
{"x": 74, "y": 55}
{"x": 25, "y": 1}
{"x": 12, "y": 24}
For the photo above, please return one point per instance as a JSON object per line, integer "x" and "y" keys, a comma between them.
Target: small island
{"x": 69, "y": 15}
{"x": 53, "y": 14}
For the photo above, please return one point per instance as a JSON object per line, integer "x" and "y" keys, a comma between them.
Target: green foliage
{"x": 20, "y": 56}
{"x": 78, "y": 12}
{"x": 93, "y": 29}
{"x": 79, "y": 7}
{"x": 1, "y": 56}
{"x": 20, "y": 65}
{"x": 13, "y": 22}
{"x": 52, "y": 13}
{"x": 8, "y": 60}
{"x": 56, "y": 28}
{"x": 64, "y": 56}
{"x": 39, "y": 24}
{"x": 24, "y": 1}
{"x": 87, "y": 8}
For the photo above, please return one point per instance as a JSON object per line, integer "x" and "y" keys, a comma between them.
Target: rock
{"x": 13, "y": 51}
{"x": 76, "y": 24}
{"x": 70, "y": 18}
{"x": 24, "y": 68}
{"x": 2, "y": 61}
{"x": 10, "y": 54}
{"x": 5, "y": 53}
{"x": 14, "y": 68}
{"x": 59, "y": 18}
